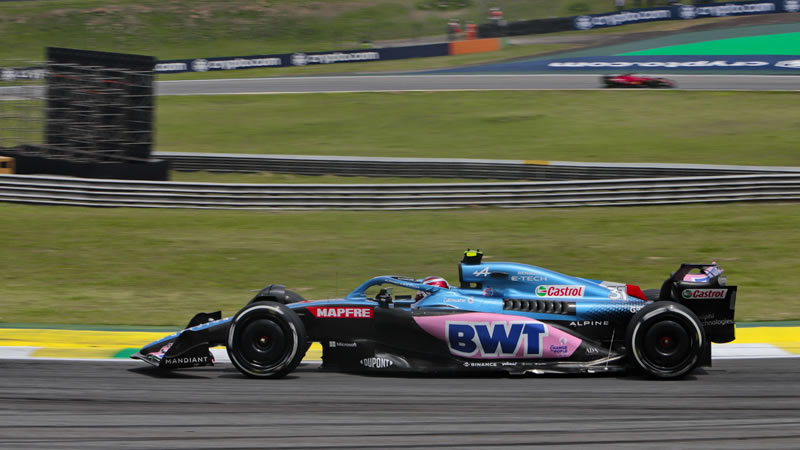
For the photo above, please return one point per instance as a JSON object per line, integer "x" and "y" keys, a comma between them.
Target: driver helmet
{"x": 431, "y": 281}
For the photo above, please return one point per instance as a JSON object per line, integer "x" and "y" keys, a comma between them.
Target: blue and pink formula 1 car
{"x": 503, "y": 317}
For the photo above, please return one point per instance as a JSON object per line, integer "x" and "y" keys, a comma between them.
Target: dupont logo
{"x": 790, "y": 64}
{"x": 560, "y": 291}
{"x": 341, "y": 312}
{"x": 690, "y": 294}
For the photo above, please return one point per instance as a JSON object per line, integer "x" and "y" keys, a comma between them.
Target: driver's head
{"x": 431, "y": 281}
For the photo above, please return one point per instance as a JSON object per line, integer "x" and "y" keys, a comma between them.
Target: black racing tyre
{"x": 665, "y": 340}
{"x": 266, "y": 340}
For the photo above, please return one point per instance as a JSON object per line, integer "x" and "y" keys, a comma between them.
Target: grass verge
{"x": 759, "y": 128}
{"x": 147, "y": 267}
{"x": 202, "y": 28}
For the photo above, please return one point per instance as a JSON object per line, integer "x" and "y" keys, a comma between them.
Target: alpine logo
{"x": 341, "y": 312}
{"x": 560, "y": 291}
{"x": 482, "y": 273}
{"x": 495, "y": 339}
{"x": 691, "y": 294}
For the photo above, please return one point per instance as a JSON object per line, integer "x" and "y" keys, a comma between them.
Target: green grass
{"x": 613, "y": 126}
{"x": 177, "y": 29}
{"x": 149, "y": 267}
{"x": 203, "y": 28}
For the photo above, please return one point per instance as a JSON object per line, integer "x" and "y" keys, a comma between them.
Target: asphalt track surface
{"x": 395, "y": 83}
{"x": 86, "y": 405}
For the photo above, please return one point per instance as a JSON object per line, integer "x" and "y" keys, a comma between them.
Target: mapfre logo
{"x": 341, "y": 312}
{"x": 693, "y": 294}
{"x": 790, "y": 64}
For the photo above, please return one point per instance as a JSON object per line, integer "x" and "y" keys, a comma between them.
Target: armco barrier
{"x": 652, "y": 191}
{"x": 444, "y": 167}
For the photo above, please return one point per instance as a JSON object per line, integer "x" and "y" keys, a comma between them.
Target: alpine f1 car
{"x": 630, "y": 80}
{"x": 503, "y": 317}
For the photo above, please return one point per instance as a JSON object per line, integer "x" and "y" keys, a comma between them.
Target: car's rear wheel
{"x": 665, "y": 340}
{"x": 266, "y": 340}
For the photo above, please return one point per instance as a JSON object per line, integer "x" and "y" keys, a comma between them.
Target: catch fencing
{"x": 626, "y": 192}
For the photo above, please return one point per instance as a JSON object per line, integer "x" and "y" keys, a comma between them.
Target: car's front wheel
{"x": 266, "y": 340}
{"x": 665, "y": 340}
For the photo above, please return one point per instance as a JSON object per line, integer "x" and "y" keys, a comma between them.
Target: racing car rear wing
{"x": 708, "y": 296}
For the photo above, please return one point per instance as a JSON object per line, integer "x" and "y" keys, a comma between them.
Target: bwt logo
{"x": 495, "y": 339}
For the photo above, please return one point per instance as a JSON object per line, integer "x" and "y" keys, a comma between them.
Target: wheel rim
{"x": 668, "y": 345}
{"x": 262, "y": 343}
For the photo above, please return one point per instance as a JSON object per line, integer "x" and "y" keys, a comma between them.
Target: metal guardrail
{"x": 652, "y": 191}
{"x": 446, "y": 168}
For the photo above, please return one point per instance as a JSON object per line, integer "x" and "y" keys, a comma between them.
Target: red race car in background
{"x": 631, "y": 80}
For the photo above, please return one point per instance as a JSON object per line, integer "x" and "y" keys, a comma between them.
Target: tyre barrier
{"x": 445, "y": 168}
{"x": 52, "y": 190}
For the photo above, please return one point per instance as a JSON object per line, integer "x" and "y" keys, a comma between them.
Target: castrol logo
{"x": 560, "y": 291}
{"x": 692, "y": 294}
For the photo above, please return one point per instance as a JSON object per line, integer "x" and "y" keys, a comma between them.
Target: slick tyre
{"x": 266, "y": 340}
{"x": 665, "y": 340}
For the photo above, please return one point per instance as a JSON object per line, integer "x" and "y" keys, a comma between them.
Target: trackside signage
{"x": 783, "y": 63}
{"x": 684, "y": 12}
{"x": 299, "y": 59}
